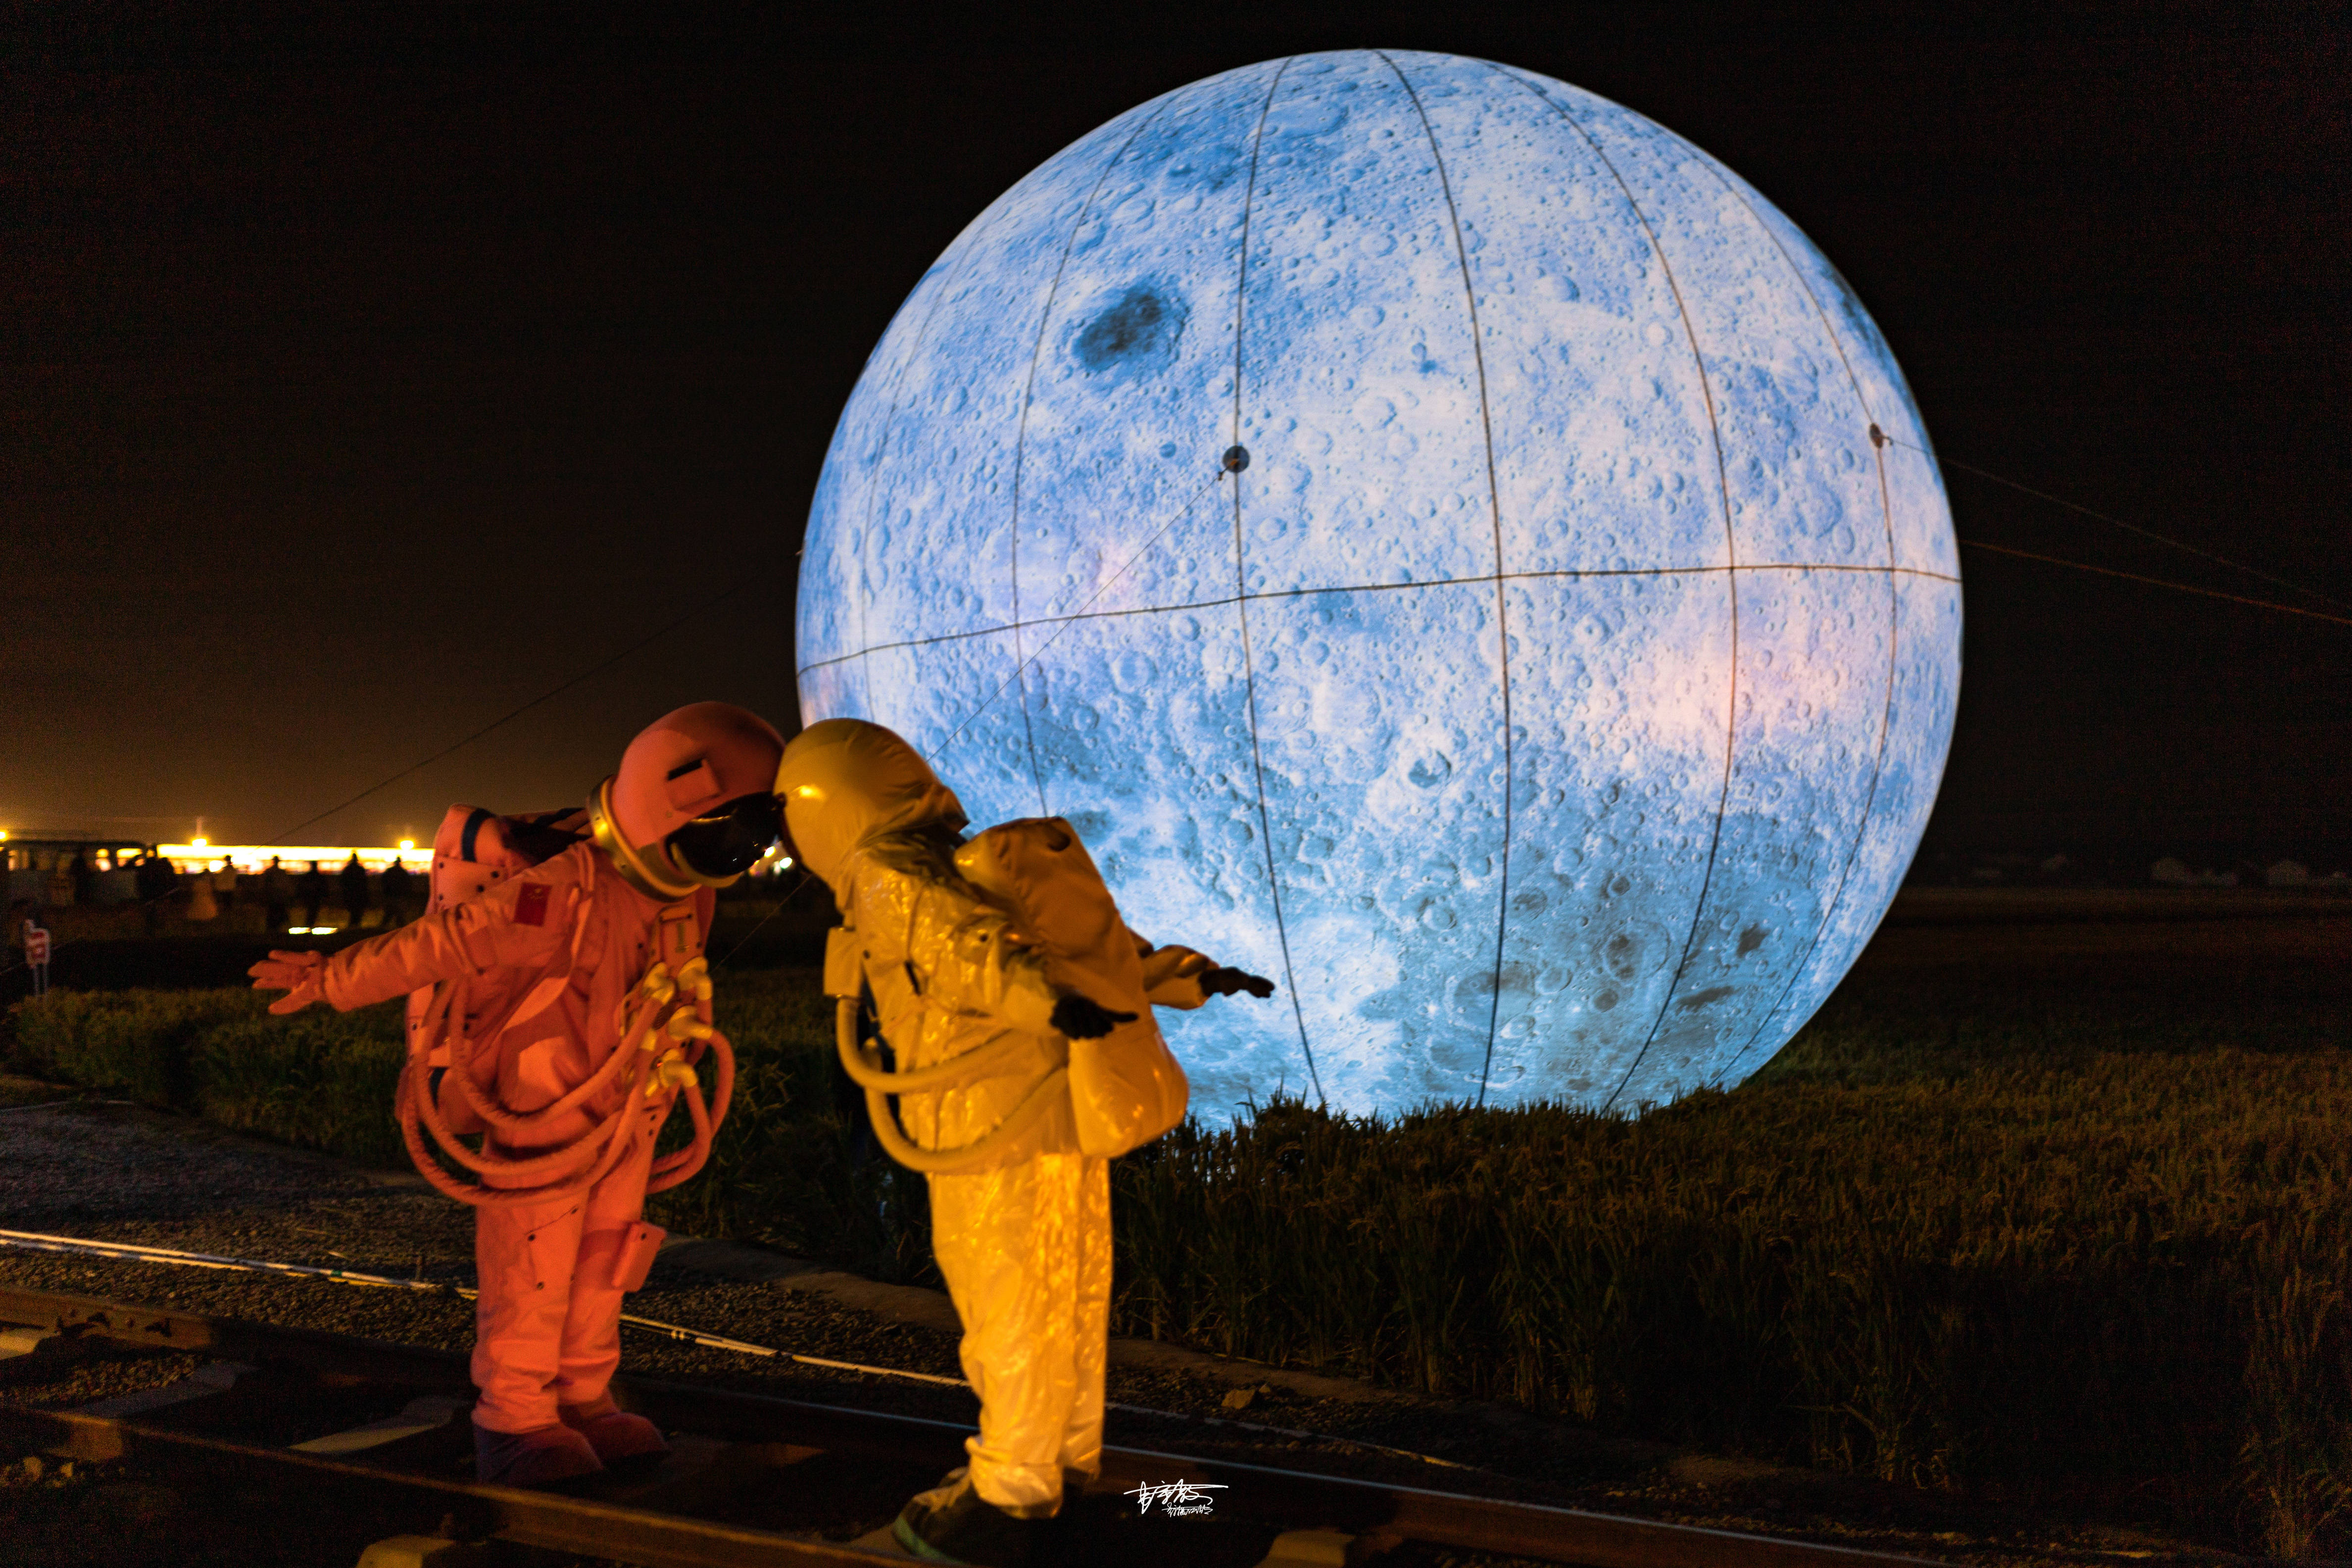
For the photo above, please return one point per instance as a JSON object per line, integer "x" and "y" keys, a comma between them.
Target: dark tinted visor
{"x": 732, "y": 839}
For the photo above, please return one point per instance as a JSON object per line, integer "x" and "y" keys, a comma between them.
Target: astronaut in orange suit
{"x": 689, "y": 808}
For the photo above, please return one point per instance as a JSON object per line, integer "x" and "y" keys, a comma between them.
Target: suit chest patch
{"x": 531, "y": 905}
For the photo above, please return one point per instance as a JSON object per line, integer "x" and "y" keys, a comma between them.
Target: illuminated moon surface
{"x": 1552, "y": 704}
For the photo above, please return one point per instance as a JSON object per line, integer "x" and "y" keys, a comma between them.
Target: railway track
{"x": 753, "y": 1479}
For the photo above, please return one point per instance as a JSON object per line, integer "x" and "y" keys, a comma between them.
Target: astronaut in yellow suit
{"x": 1022, "y": 1235}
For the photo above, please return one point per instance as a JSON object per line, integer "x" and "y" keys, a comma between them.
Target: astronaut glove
{"x": 1076, "y": 1018}
{"x": 302, "y": 975}
{"x": 1225, "y": 982}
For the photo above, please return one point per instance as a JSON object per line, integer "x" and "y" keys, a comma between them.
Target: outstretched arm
{"x": 521, "y": 924}
{"x": 1179, "y": 977}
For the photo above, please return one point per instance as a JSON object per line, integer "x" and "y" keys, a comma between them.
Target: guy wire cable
{"x": 2161, "y": 583}
{"x": 637, "y": 646}
{"x": 2118, "y": 523}
{"x": 134, "y": 1252}
{"x": 744, "y": 941}
{"x": 14, "y": 963}
{"x": 1193, "y": 497}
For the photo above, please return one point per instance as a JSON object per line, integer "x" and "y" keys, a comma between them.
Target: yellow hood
{"x": 845, "y": 780}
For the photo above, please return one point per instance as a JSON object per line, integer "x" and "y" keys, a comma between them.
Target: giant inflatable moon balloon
{"x": 1550, "y": 693}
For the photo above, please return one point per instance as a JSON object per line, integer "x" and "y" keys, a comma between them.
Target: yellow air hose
{"x": 877, "y": 1083}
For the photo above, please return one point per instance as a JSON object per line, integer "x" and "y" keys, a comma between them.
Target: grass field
{"x": 2060, "y": 1211}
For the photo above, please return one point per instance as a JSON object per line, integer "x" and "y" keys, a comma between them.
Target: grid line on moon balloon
{"x": 1731, "y": 698}
{"x": 1385, "y": 793}
{"x": 882, "y": 450}
{"x": 1021, "y": 433}
{"x": 1101, "y": 417}
{"x": 1502, "y": 606}
{"x": 1129, "y": 407}
{"x": 1621, "y": 744}
{"x": 1922, "y": 538}
{"x": 941, "y": 496}
{"x": 1811, "y": 703}
{"x": 1927, "y": 692}
{"x": 1273, "y": 596}
{"x": 1240, "y": 587}
{"x": 1893, "y": 608}
{"x": 1060, "y": 623}
{"x": 841, "y": 515}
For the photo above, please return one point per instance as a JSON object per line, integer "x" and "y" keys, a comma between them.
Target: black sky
{"x": 369, "y": 371}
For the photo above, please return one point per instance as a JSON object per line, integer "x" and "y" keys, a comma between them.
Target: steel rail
{"x": 1294, "y": 1499}
{"x": 548, "y": 1520}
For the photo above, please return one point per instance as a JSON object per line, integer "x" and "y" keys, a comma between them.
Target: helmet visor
{"x": 731, "y": 840}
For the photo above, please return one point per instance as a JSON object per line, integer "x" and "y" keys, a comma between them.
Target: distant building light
{"x": 200, "y": 843}
{"x": 408, "y": 844}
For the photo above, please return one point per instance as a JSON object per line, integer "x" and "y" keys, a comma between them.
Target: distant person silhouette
{"x": 354, "y": 878}
{"x": 85, "y": 880}
{"x": 154, "y": 881}
{"x": 313, "y": 883}
{"x": 200, "y": 905}
{"x": 276, "y": 894}
{"x": 23, "y": 915}
{"x": 393, "y": 892}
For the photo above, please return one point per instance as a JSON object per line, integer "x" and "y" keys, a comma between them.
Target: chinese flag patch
{"x": 531, "y": 905}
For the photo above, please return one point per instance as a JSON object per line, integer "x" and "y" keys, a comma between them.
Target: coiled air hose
{"x": 665, "y": 1031}
{"x": 867, "y": 1073}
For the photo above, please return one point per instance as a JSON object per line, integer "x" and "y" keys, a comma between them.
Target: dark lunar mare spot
{"x": 1751, "y": 938}
{"x": 1622, "y": 954}
{"x": 1135, "y": 334}
{"x": 1697, "y": 999}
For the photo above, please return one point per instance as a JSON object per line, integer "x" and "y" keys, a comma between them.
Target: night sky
{"x": 372, "y": 370}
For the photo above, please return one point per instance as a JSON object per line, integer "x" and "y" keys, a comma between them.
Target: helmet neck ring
{"x": 649, "y": 873}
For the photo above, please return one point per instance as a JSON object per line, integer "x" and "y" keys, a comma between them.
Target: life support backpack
{"x": 475, "y": 851}
{"x": 664, "y": 1022}
{"x": 1123, "y": 1089}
